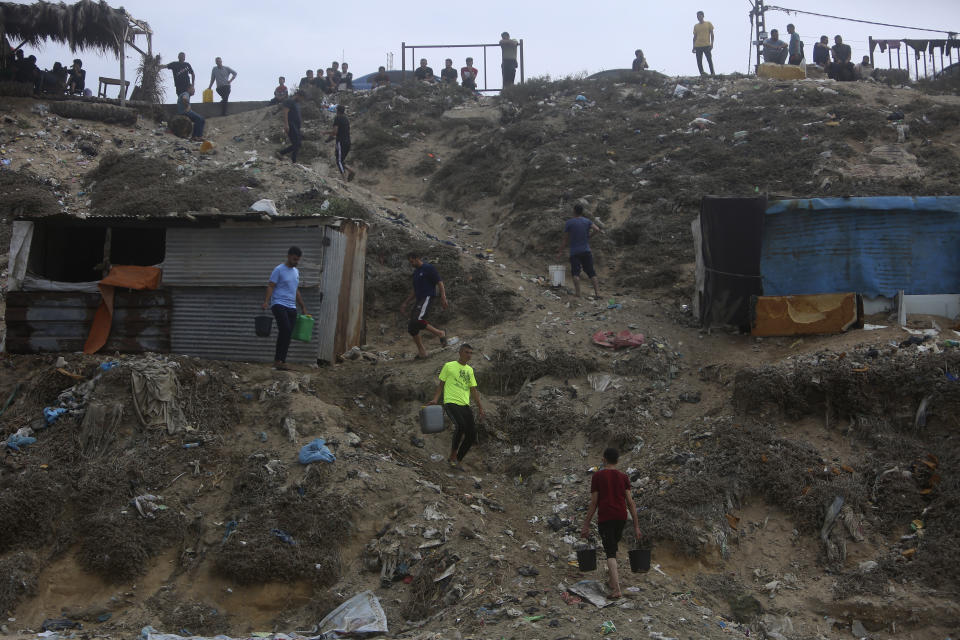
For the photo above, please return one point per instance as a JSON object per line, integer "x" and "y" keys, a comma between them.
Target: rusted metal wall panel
{"x": 239, "y": 256}
{"x": 217, "y": 322}
{"x": 46, "y": 321}
{"x": 341, "y": 312}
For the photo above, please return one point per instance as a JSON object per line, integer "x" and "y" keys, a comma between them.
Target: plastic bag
{"x": 360, "y": 614}
{"x": 316, "y": 451}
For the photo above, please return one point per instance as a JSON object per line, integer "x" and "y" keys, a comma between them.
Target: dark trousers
{"x": 224, "y": 93}
{"x": 704, "y": 51}
{"x": 464, "y": 431}
{"x": 296, "y": 139}
{"x": 509, "y": 68}
{"x": 285, "y": 318}
{"x": 198, "y": 123}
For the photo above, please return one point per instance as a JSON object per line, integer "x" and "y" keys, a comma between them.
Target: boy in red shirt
{"x": 610, "y": 496}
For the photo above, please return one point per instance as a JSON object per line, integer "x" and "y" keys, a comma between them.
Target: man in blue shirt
{"x": 426, "y": 282}
{"x": 283, "y": 296}
{"x": 577, "y": 235}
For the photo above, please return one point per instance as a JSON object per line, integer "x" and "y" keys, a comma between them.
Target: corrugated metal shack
{"x": 215, "y": 272}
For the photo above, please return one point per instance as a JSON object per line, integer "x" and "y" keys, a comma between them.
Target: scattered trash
{"x": 701, "y": 123}
{"x": 599, "y": 381}
{"x": 581, "y": 98}
{"x": 15, "y": 441}
{"x": 528, "y": 572}
{"x": 147, "y": 505}
{"x": 592, "y": 591}
{"x": 624, "y": 339}
{"x": 680, "y": 91}
{"x": 60, "y": 624}
{"x": 361, "y": 614}
{"x": 283, "y": 536}
{"x": 608, "y": 627}
{"x": 873, "y": 327}
{"x": 106, "y": 366}
{"x": 316, "y": 451}
{"x": 230, "y": 530}
{"x": 265, "y": 206}
{"x": 51, "y": 414}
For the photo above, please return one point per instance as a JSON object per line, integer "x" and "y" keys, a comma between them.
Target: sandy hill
{"x": 737, "y": 448}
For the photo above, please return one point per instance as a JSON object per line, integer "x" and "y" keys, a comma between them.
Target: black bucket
{"x": 262, "y": 325}
{"x": 587, "y": 559}
{"x": 639, "y": 560}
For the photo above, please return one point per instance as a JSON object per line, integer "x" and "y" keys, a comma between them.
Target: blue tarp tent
{"x": 871, "y": 246}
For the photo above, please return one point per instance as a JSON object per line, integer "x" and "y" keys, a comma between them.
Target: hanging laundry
{"x": 919, "y": 46}
{"x": 893, "y": 44}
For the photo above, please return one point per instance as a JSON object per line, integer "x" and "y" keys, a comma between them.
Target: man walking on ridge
{"x": 426, "y": 282}
{"x": 508, "y": 47}
{"x": 292, "y": 121}
{"x": 703, "y": 42}
{"x": 457, "y": 386}
{"x": 610, "y": 498}
{"x": 341, "y": 133}
{"x": 224, "y": 77}
{"x": 576, "y": 233}
{"x": 283, "y": 296}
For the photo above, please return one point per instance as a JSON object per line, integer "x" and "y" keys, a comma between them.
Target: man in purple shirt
{"x": 577, "y": 235}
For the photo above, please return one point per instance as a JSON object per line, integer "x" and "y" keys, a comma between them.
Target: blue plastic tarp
{"x": 872, "y": 246}
{"x": 316, "y": 451}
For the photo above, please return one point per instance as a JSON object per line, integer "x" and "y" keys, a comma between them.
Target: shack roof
{"x": 202, "y": 220}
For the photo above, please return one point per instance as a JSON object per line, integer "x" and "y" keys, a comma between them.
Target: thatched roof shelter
{"x": 84, "y": 25}
{"x": 87, "y": 24}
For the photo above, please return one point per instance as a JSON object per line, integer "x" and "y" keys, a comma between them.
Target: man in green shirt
{"x": 458, "y": 385}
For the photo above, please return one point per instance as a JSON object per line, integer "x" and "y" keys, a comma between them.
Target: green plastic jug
{"x": 303, "y": 328}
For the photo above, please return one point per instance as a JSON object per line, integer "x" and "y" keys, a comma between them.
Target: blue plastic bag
{"x": 52, "y": 414}
{"x": 316, "y": 451}
{"x": 15, "y": 441}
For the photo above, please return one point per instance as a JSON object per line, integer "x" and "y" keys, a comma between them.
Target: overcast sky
{"x": 263, "y": 40}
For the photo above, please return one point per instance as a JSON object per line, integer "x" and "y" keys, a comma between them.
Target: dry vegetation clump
{"x": 427, "y": 596}
{"x": 314, "y": 516}
{"x": 130, "y": 184}
{"x": 513, "y": 366}
{"x": 118, "y": 546}
{"x": 18, "y": 578}
{"x": 179, "y": 612}
{"x": 877, "y": 392}
{"x": 23, "y": 193}
{"x": 736, "y": 462}
{"x": 536, "y": 422}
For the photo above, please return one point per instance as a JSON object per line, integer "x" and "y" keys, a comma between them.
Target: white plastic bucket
{"x": 557, "y": 275}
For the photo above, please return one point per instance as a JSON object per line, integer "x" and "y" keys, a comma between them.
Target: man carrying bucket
{"x": 457, "y": 385}
{"x": 283, "y": 296}
{"x": 576, "y": 233}
{"x": 610, "y": 497}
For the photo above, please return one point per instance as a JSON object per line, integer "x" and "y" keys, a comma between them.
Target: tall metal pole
{"x": 761, "y": 29}
{"x": 521, "y": 60}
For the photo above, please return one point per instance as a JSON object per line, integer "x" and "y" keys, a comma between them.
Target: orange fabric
{"x": 126, "y": 277}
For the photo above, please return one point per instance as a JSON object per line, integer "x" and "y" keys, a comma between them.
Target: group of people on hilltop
{"x": 468, "y": 73}
{"x": 335, "y": 78}
{"x": 835, "y": 60}
{"x": 61, "y": 79}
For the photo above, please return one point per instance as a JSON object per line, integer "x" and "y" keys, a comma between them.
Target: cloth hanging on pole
{"x": 937, "y": 44}
{"x": 919, "y": 46}
{"x": 127, "y": 277}
{"x": 893, "y": 44}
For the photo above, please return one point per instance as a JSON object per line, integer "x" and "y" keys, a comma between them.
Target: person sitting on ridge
{"x": 78, "y": 78}
{"x": 307, "y": 80}
{"x": 281, "y": 93}
{"x": 468, "y": 75}
{"x": 865, "y": 69}
{"x": 841, "y": 68}
{"x": 382, "y": 79}
{"x": 821, "y": 52}
{"x": 775, "y": 49}
{"x": 640, "y": 61}
{"x": 423, "y": 72}
{"x": 448, "y": 75}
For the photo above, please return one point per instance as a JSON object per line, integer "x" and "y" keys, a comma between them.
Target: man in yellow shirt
{"x": 458, "y": 385}
{"x": 703, "y": 42}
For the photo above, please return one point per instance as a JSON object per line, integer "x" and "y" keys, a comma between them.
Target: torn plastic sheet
{"x": 359, "y": 615}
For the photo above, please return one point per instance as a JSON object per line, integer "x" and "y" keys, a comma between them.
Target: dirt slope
{"x": 736, "y": 447}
